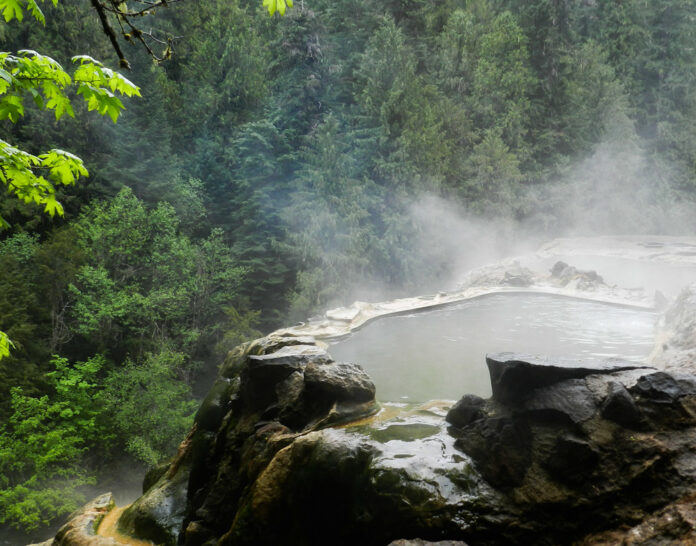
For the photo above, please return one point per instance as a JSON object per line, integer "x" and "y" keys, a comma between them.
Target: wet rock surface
{"x": 81, "y": 527}
{"x": 264, "y": 416}
{"x": 515, "y": 377}
{"x": 591, "y": 448}
{"x": 674, "y": 525}
{"x": 420, "y": 542}
{"x": 287, "y": 449}
{"x": 567, "y": 274}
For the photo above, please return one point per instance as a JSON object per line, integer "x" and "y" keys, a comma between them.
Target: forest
{"x": 274, "y": 167}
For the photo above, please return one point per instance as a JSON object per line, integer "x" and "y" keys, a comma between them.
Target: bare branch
{"x": 109, "y": 31}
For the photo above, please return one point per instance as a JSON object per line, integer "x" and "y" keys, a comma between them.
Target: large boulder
{"x": 271, "y": 394}
{"x": 584, "y": 446}
{"x": 514, "y": 377}
{"x": 81, "y": 527}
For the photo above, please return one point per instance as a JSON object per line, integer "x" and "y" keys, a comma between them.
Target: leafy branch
{"x": 32, "y": 178}
{"x": 30, "y": 74}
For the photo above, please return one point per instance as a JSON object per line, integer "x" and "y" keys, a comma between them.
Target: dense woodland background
{"x": 278, "y": 166}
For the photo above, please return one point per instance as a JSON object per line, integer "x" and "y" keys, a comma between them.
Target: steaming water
{"x": 441, "y": 354}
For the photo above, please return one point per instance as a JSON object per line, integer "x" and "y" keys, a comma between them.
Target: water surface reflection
{"x": 441, "y": 353}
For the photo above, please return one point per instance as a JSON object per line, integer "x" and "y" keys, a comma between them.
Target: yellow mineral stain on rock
{"x": 390, "y": 411}
{"x": 108, "y": 528}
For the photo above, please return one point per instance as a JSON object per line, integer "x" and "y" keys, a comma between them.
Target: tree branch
{"x": 109, "y": 31}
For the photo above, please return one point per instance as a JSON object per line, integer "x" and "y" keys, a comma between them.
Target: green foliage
{"x": 14, "y": 9}
{"x": 146, "y": 284}
{"x": 42, "y": 445}
{"x": 32, "y": 74}
{"x": 42, "y": 78}
{"x": 147, "y": 406}
{"x": 22, "y": 318}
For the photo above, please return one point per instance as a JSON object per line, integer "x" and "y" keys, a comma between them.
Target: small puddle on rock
{"x": 108, "y": 528}
{"x": 403, "y": 422}
{"x": 405, "y": 432}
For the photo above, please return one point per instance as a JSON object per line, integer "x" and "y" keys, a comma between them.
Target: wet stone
{"x": 658, "y": 387}
{"x": 421, "y": 542}
{"x": 620, "y": 407}
{"x": 572, "y": 460}
{"x": 339, "y": 381}
{"x": 467, "y": 410}
{"x": 509, "y": 439}
{"x": 571, "y": 399}
{"x": 514, "y": 376}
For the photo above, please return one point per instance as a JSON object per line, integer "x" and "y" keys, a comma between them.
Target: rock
{"x": 570, "y": 399}
{"x": 237, "y": 358}
{"x": 467, "y": 410}
{"x": 677, "y": 334}
{"x": 421, "y": 542}
{"x": 518, "y": 276}
{"x": 281, "y": 391}
{"x": 558, "y": 268}
{"x": 566, "y": 274}
{"x": 81, "y": 528}
{"x": 153, "y": 475}
{"x": 338, "y": 382}
{"x": 606, "y": 444}
{"x": 658, "y": 387}
{"x": 158, "y": 514}
{"x": 515, "y": 376}
{"x": 660, "y": 301}
{"x": 666, "y": 399}
{"x": 216, "y": 404}
{"x": 571, "y": 460}
{"x": 675, "y": 524}
{"x": 263, "y": 374}
{"x": 501, "y": 448}
{"x": 620, "y": 407}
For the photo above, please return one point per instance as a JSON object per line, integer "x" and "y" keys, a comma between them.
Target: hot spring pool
{"x": 440, "y": 354}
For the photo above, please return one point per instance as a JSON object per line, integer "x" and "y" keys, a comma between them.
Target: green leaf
{"x": 5, "y": 75}
{"x": 34, "y": 9}
{"x": 11, "y": 9}
{"x": 5, "y": 342}
{"x": 11, "y": 107}
{"x": 277, "y": 5}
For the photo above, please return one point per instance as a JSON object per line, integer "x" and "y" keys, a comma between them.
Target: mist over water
{"x": 614, "y": 191}
{"x": 441, "y": 353}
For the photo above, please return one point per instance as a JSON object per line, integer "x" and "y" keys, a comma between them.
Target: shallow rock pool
{"x": 440, "y": 354}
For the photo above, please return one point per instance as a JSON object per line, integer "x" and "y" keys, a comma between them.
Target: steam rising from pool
{"x": 441, "y": 354}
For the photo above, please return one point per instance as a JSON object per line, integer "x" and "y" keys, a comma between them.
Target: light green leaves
{"x": 64, "y": 167}
{"x": 31, "y": 178}
{"x": 5, "y": 344}
{"x": 97, "y": 85}
{"x": 11, "y": 9}
{"x": 31, "y": 73}
{"x": 277, "y": 5}
{"x": 48, "y": 83}
{"x": 28, "y": 73}
{"x": 14, "y": 9}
